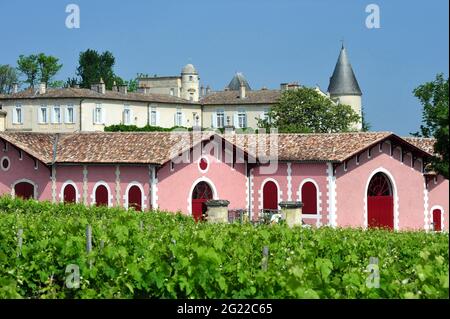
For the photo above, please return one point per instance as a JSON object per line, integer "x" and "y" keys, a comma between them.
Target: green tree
{"x": 29, "y": 67}
{"x": 48, "y": 67}
{"x": 304, "y": 110}
{"x": 93, "y": 66}
{"x": 8, "y": 76}
{"x": 366, "y": 126}
{"x": 434, "y": 98}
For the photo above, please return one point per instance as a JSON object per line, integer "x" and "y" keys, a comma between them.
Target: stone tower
{"x": 344, "y": 88}
{"x": 190, "y": 83}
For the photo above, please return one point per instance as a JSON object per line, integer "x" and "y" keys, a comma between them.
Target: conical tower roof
{"x": 236, "y": 82}
{"x": 343, "y": 80}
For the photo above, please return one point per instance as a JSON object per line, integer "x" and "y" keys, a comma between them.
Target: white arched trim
{"x": 394, "y": 192}
{"x": 101, "y": 183}
{"x": 317, "y": 216}
{"x": 63, "y": 187}
{"x": 261, "y": 192}
{"x": 442, "y": 215}
{"x": 24, "y": 180}
{"x": 143, "y": 197}
{"x": 198, "y": 180}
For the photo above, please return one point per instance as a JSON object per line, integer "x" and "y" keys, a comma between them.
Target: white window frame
{"x": 98, "y": 114}
{"x": 242, "y": 114}
{"x": 220, "y": 115}
{"x": 41, "y": 119}
{"x": 129, "y": 120}
{"x": 67, "y": 117}
{"x": 54, "y": 119}
{"x": 153, "y": 116}
{"x": 179, "y": 117}
{"x": 18, "y": 114}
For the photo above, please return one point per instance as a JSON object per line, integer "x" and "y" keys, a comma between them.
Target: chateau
{"x": 160, "y": 101}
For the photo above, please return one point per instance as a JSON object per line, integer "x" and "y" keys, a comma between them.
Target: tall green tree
{"x": 434, "y": 98}
{"x": 92, "y": 66}
{"x": 29, "y": 67}
{"x": 48, "y": 67}
{"x": 304, "y": 110}
{"x": 8, "y": 76}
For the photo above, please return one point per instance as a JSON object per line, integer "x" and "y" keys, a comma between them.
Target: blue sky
{"x": 270, "y": 41}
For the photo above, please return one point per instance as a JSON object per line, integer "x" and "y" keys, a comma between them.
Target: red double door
{"x": 201, "y": 194}
{"x": 381, "y": 211}
{"x": 24, "y": 190}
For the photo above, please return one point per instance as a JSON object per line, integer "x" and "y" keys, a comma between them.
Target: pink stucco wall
{"x": 408, "y": 188}
{"x": 175, "y": 187}
{"x": 438, "y": 198}
{"x": 24, "y": 169}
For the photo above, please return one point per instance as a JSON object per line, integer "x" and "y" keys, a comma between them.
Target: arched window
{"x": 101, "y": 196}
{"x": 69, "y": 194}
{"x": 437, "y": 220}
{"x": 135, "y": 198}
{"x": 200, "y": 195}
{"x": 270, "y": 195}
{"x": 380, "y": 202}
{"x": 309, "y": 198}
{"x": 24, "y": 190}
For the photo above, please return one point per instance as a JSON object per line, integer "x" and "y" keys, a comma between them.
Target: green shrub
{"x": 166, "y": 255}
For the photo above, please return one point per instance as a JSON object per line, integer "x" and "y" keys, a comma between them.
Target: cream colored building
{"x": 161, "y": 101}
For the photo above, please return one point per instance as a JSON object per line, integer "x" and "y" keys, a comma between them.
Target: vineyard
{"x": 126, "y": 254}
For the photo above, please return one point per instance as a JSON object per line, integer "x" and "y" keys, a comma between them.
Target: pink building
{"x": 343, "y": 180}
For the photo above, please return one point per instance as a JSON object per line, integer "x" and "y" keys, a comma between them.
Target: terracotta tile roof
{"x": 426, "y": 144}
{"x": 39, "y": 145}
{"x": 334, "y": 147}
{"x": 86, "y": 93}
{"x": 156, "y": 147}
{"x": 232, "y": 97}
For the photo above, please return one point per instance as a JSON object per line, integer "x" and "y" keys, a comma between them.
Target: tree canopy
{"x": 8, "y": 76}
{"x": 94, "y": 66}
{"x": 38, "y": 68}
{"x": 434, "y": 98}
{"x": 304, "y": 110}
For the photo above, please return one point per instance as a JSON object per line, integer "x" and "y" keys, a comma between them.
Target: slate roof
{"x": 237, "y": 81}
{"x": 343, "y": 80}
{"x": 91, "y": 94}
{"x": 232, "y": 97}
{"x": 156, "y": 147}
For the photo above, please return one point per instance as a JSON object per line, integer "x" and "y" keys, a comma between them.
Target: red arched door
{"x": 200, "y": 195}
{"x": 380, "y": 202}
{"x": 70, "y": 194}
{"x": 135, "y": 198}
{"x": 270, "y": 195}
{"x": 101, "y": 196}
{"x": 437, "y": 223}
{"x": 309, "y": 198}
{"x": 24, "y": 190}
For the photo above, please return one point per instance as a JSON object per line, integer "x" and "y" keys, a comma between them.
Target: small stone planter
{"x": 217, "y": 211}
{"x": 291, "y": 211}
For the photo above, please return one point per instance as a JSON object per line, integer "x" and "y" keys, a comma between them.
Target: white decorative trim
{"x": 61, "y": 193}
{"x": 154, "y": 186}
{"x": 394, "y": 191}
{"x": 35, "y": 187}
{"x": 198, "y": 180}
{"x": 426, "y": 225}
{"x": 53, "y": 184}
{"x": 318, "y": 201}
{"x": 289, "y": 181}
{"x": 247, "y": 186}
{"x": 331, "y": 196}
{"x": 252, "y": 194}
{"x": 101, "y": 183}
{"x": 1, "y": 163}
{"x": 261, "y": 193}
{"x": 442, "y": 215}
{"x": 117, "y": 172}
{"x": 85, "y": 185}
{"x": 143, "y": 197}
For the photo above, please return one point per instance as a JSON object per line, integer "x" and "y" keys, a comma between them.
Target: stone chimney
{"x": 15, "y": 88}
{"x": 242, "y": 93}
{"x": 123, "y": 89}
{"x": 42, "y": 88}
{"x": 102, "y": 87}
{"x": 115, "y": 88}
{"x": 94, "y": 87}
{"x": 208, "y": 90}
